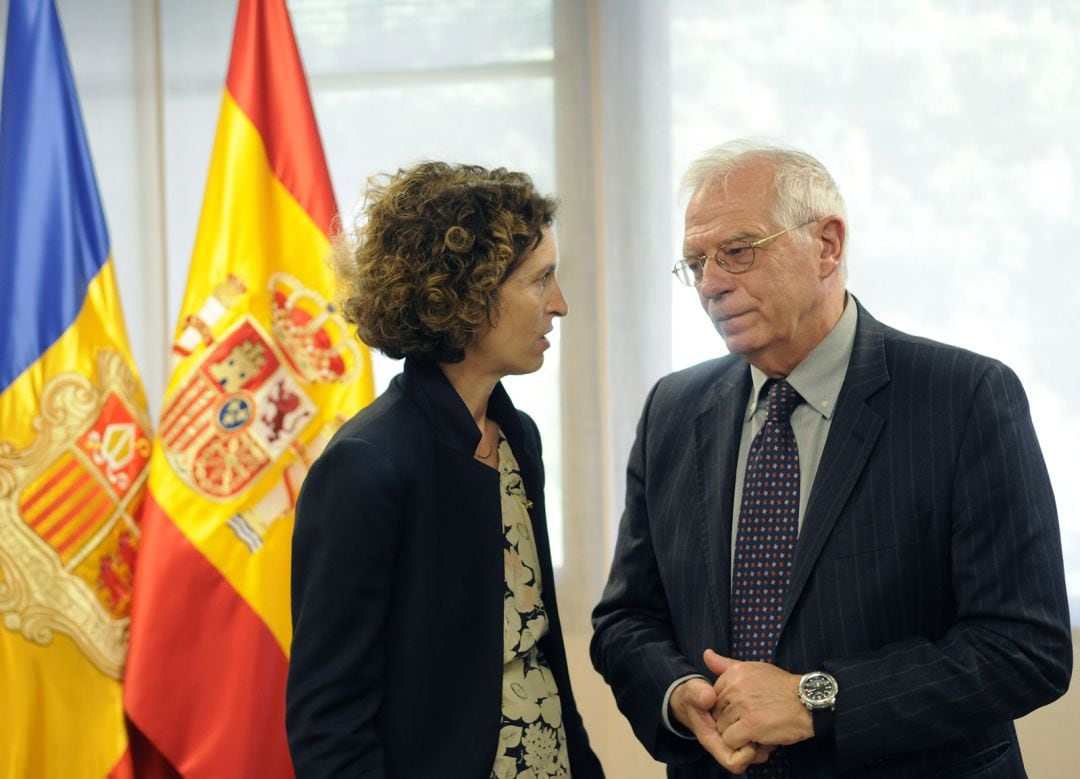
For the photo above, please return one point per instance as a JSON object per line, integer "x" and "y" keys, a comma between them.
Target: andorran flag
{"x": 266, "y": 370}
{"x": 74, "y": 432}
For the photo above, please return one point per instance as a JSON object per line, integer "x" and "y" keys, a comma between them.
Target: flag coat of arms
{"x": 74, "y": 431}
{"x": 265, "y": 371}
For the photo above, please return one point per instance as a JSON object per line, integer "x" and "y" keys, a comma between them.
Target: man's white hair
{"x": 804, "y": 189}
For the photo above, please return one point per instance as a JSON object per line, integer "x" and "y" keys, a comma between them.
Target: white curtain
{"x": 613, "y": 147}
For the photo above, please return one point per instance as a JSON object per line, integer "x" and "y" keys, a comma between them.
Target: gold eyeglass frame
{"x": 687, "y": 262}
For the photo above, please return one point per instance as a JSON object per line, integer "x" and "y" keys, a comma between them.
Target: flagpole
{"x": 150, "y": 115}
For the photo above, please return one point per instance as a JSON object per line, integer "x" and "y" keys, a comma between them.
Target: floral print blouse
{"x": 532, "y": 740}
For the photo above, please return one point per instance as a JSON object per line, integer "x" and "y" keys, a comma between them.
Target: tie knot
{"x": 782, "y": 401}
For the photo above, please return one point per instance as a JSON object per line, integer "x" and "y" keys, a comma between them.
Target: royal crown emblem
{"x": 68, "y": 504}
{"x": 313, "y": 336}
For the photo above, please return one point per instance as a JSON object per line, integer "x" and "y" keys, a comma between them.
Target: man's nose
{"x": 715, "y": 280}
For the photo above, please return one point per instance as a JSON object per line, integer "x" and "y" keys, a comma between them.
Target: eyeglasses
{"x": 734, "y": 257}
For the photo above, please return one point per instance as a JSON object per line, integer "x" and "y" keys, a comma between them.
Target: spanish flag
{"x": 74, "y": 431}
{"x": 265, "y": 371}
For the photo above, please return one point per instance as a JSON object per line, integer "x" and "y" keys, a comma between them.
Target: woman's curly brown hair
{"x": 434, "y": 242}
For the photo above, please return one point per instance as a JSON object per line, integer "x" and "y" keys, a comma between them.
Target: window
{"x": 950, "y": 130}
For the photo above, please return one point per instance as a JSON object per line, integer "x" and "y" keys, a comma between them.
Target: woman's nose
{"x": 557, "y": 305}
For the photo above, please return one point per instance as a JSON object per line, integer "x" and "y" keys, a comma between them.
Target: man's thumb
{"x": 716, "y": 663}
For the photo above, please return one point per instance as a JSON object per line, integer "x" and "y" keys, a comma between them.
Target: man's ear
{"x": 832, "y": 232}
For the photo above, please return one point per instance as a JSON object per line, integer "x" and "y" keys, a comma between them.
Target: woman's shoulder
{"x": 379, "y": 419}
{"x": 364, "y": 462}
{"x": 386, "y": 427}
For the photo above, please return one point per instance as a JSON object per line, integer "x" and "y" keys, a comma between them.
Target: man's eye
{"x": 737, "y": 252}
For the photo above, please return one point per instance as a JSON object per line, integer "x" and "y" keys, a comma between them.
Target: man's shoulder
{"x": 930, "y": 349}
{"x": 698, "y": 377}
{"x": 695, "y": 387}
{"x": 922, "y": 358}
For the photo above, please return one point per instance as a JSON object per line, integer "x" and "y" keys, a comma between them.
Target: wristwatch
{"x": 817, "y": 690}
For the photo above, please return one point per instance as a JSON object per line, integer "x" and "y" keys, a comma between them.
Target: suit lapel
{"x": 852, "y": 435}
{"x": 717, "y": 431}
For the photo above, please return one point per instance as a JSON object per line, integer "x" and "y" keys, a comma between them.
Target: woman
{"x": 426, "y": 633}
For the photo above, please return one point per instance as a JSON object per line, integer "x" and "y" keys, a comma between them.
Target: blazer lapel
{"x": 717, "y": 431}
{"x": 852, "y": 435}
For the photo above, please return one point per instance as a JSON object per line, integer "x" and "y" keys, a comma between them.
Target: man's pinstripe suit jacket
{"x": 928, "y": 576}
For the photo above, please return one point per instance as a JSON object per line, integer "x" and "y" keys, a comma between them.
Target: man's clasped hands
{"x": 751, "y": 709}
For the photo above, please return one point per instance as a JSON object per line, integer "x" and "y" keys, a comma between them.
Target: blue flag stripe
{"x": 53, "y": 238}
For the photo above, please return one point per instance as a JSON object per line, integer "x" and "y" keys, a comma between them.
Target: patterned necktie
{"x": 765, "y": 545}
{"x": 768, "y": 530}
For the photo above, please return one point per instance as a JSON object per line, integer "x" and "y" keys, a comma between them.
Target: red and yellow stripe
{"x": 210, "y": 623}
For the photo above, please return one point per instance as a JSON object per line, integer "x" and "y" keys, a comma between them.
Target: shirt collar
{"x": 819, "y": 377}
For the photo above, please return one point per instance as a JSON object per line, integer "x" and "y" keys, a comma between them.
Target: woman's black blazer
{"x": 397, "y": 592}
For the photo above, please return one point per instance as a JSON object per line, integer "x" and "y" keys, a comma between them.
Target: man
{"x": 864, "y": 556}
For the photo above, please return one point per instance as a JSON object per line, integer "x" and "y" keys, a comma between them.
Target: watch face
{"x": 818, "y": 688}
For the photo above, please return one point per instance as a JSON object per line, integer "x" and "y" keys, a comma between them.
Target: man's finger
{"x": 763, "y": 753}
{"x": 717, "y": 663}
{"x": 734, "y": 760}
{"x": 691, "y": 703}
{"x": 736, "y": 733}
